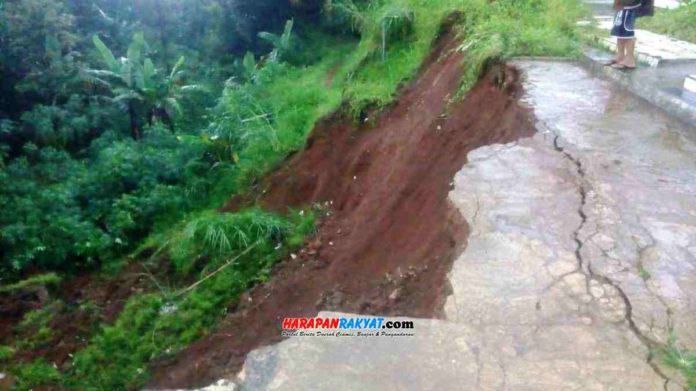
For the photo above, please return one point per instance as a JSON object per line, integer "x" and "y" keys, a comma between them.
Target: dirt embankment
{"x": 390, "y": 236}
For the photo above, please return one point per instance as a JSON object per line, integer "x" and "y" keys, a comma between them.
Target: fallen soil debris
{"x": 389, "y": 235}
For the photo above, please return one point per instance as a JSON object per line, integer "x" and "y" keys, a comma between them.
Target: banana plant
{"x": 163, "y": 94}
{"x": 135, "y": 82}
{"x": 281, "y": 43}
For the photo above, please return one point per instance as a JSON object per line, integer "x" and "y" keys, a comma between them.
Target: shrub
{"x": 35, "y": 374}
{"x": 152, "y": 325}
{"x": 6, "y": 352}
{"x": 679, "y": 23}
{"x": 58, "y": 213}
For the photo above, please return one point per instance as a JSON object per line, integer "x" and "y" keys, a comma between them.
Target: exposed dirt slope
{"x": 389, "y": 239}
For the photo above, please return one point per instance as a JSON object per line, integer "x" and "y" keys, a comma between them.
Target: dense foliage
{"x": 101, "y": 107}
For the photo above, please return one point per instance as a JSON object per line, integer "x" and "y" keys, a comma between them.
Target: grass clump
{"x": 214, "y": 235}
{"x": 395, "y": 38}
{"x": 39, "y": 280}
{"x": 35, "y": 374}
{"x": 6, "y": 352}
{"x": 679, "y": 23}
{"x": 34, "y": 331}
{"x": 684, "y": 361}
{"x": 509, "y": 28}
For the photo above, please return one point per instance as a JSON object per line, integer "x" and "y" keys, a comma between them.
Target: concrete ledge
{"x": 671, "y": 104}
{"x": 543, "y": 58}
{"x": 651, "y": 49}
{"x": 690, "y": 83}
{"x": 642, "y": 57}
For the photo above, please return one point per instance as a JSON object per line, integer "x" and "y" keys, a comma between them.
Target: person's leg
{"x": 618, "y": 32}
{"x": 629, "y": 58}
{"x": 620, "y": 50}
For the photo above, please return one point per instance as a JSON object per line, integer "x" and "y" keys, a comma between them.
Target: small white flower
{"x": 168, "y": 309}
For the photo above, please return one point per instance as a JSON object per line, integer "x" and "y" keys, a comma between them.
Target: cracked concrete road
{"x": 581, "y": 260}
{"x": 587, "y": 232}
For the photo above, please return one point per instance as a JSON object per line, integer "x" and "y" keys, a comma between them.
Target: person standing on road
{"x": 627, "y": 11}
{"x": 623, "y": 30}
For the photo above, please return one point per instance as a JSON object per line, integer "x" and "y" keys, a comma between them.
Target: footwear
{"x": 622, "y": 67}
{"x": 610, "y": 62}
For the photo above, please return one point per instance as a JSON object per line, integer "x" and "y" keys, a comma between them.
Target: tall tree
{"x": 34, "y": 34}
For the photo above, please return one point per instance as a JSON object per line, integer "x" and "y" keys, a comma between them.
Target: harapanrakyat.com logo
{"x": 361, "y": 326}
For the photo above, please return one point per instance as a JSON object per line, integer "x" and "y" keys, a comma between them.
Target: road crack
{"x": 585, "y": 267}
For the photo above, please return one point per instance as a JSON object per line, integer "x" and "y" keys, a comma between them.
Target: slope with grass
{"x": 189, "y": 274}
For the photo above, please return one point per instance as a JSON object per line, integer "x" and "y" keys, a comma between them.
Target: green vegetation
{"x": 513, "y": 28}
{"x": 35, "y": 374}
{"x": 39, "y": 280}
{"x": 685, "y": 362}
{"x": 499, "y": 29}
{"x": 257, "y": 122}
{"x": 679, "y": 23}
{"x": 6, "y": 352}
{"x": 115, "y": 149}
{"x": 88, "y": 192}
{"x": 238, "y": 249}
{"x": 138, "y": 86}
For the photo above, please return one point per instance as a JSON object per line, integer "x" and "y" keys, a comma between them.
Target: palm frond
{"x": 193, "y": 88}
{"x": 149, "y": 72}
{"x": 126, "y": 96}
{"x": 103, "y": 73}
{"x": 270, "y": 37}
{"x": 171, "y": 104}
{"x": 287, "y": 33}
{"x": 135, "y": 49}
{"x": 175, "y": 70}
{"x": 249, "y": 64}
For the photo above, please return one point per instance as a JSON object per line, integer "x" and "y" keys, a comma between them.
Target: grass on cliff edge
{"x": 679, "y": 23}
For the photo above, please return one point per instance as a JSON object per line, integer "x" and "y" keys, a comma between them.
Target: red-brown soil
{"x": 389, "y": 235}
